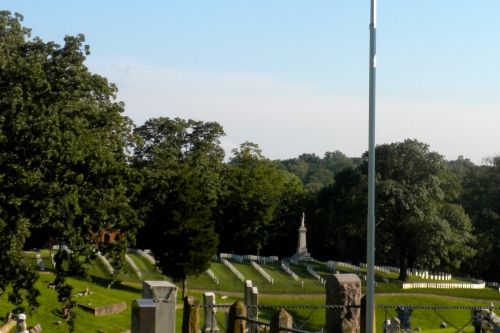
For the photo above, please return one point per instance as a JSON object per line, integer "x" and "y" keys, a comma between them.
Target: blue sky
{"x": 292, "y": 76}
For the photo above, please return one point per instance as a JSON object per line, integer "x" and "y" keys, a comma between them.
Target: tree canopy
{"x": 417, "y": 215}
{"x": 63, "y": 143}
{"x": 181, "y": 162}
{"x": 253, "y": 206}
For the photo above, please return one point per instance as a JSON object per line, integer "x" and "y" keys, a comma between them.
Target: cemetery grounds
{"x": 284, "y": 291}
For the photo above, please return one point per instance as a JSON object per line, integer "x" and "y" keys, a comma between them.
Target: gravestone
{"x": 163, "y": 294}
{"x": 210, "y": 324}
{"x": 143, "y": 316}
{"x": 21, "y": 323}
{"x": 343, "y": 289}
{"x": 280, "y": 319}
{"x": 404, "y": 316}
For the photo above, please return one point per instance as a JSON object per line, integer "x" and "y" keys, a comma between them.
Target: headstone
{"x": 396, "y": 325}
{"x": 35, "y": 329}
{"x": 163, "y": 294}
{"x": 210, "y": 324}
{"x": 404, "y": 316}
{"x": 280, "y": 319}
{"x": 247, "y": 292}
{"x": 343, "y": 289}
{"x": 191, "y": 315}
{"x": 253, "y": 312}
{"x": 143, "y": 316}
{"x": 21, "y": 323}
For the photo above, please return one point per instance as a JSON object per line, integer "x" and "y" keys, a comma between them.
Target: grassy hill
{"x": 284, "y": 291}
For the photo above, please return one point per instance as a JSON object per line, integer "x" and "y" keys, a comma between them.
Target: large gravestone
{"x": 163, "y": 294}
{"x": 345, "y": 290}
{"x": 143, "y": 316}
{"x": 210, "y": 325}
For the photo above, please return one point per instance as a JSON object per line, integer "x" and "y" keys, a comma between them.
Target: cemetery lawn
{"x": 285, "y": 291}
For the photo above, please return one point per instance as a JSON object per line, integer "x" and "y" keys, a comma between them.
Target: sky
{"x": 292, "y": 76}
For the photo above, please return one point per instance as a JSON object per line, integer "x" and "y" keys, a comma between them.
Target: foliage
{"x": 62, "y": 151}
{"x": 481, "y": 201}
{"x": 419, "y": 223}
{"x": 417, "y": 216}
{"x": 256, "y": 202}
{"x": 316, "y": 172}
{"x": 181, "y": 162}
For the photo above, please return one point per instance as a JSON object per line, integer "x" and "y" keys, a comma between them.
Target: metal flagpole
{"x": 370, "y": 274}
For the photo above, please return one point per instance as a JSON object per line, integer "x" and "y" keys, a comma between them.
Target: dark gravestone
{"x": 345, "y": 290}
{"x": 143, "y": 316}
{"x": 404, "y": 316}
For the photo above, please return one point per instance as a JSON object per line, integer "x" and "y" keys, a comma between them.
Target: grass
{"x": 284, "y": 291}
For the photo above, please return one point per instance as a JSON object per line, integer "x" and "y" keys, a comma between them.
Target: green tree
{"x": 337, "y": 161}
{"x": 337, "y": 219}
{"x": 254, "y": 206}
{"x": 181, "y": 162}
{"x": 417, "y": 216}
{"x": 481, "y": 200}
{"x": 64, "y": 166}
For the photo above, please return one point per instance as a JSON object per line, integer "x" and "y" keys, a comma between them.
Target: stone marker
{"x": 280, "y": 319}
{"x": 191, "y": 315}
{"x": 143, "y": 316}
{"x": 210, "y": 324}
{"x": 254, "y": 311}
{"x": 163, "y": 294}
{"x": 343, "y": 289}
{"x": 21, "y": 323}
{"x": 404, "y": 316}
{"x": 235, "y": 325}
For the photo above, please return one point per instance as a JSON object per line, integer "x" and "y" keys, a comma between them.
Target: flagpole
{"x": 370, "y": 273}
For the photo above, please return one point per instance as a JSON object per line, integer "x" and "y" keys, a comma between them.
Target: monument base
{"x": 302, "y": 255}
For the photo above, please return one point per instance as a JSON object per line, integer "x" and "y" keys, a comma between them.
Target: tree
{"x": 417, "y": 216}
{"x": 337, "y": 219}
{"x": 481, "y": 200}
{"x": 254, "y": 206}
{"x": 64, "y": 166}
{"x": 181, "y": 162}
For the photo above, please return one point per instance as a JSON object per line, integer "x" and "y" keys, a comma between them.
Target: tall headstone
{"x": 302, "y": 253}
{"x": 164, "y": 295}
{"x": 343, "y": 289}
{"x": 210, "y": 324}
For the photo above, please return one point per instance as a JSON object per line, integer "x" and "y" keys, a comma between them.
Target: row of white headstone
{"x": 289, "y": 271}
{"x": 134, "y": 267}
{"x": 233, "y": 269}
{"x": 377, "y": 268}
{"x": 316, "y": 275}
{"x": 332, "y": 264}
{"x": 261, "y": 271}
{"x": 105, "y": 262}
{"x": 433, "y": 285}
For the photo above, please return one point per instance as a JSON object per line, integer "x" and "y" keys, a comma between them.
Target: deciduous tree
{"x": 255, "y": 204}
{"x": 417, "y": 215}
{"x": 63, "y": 159}
{"x": 181, "y": 163}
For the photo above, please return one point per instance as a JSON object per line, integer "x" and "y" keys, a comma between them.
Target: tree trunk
{"x": 402, "y": 263}
{"x": 184, "y": 287}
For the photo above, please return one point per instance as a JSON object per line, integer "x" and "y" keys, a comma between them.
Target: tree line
{"x": 73, "y": 167}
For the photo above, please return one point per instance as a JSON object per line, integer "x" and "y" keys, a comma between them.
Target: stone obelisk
{"x": 302, "y": 253}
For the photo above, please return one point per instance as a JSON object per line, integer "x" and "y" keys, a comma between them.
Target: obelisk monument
{"x": 302, "y": 253}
